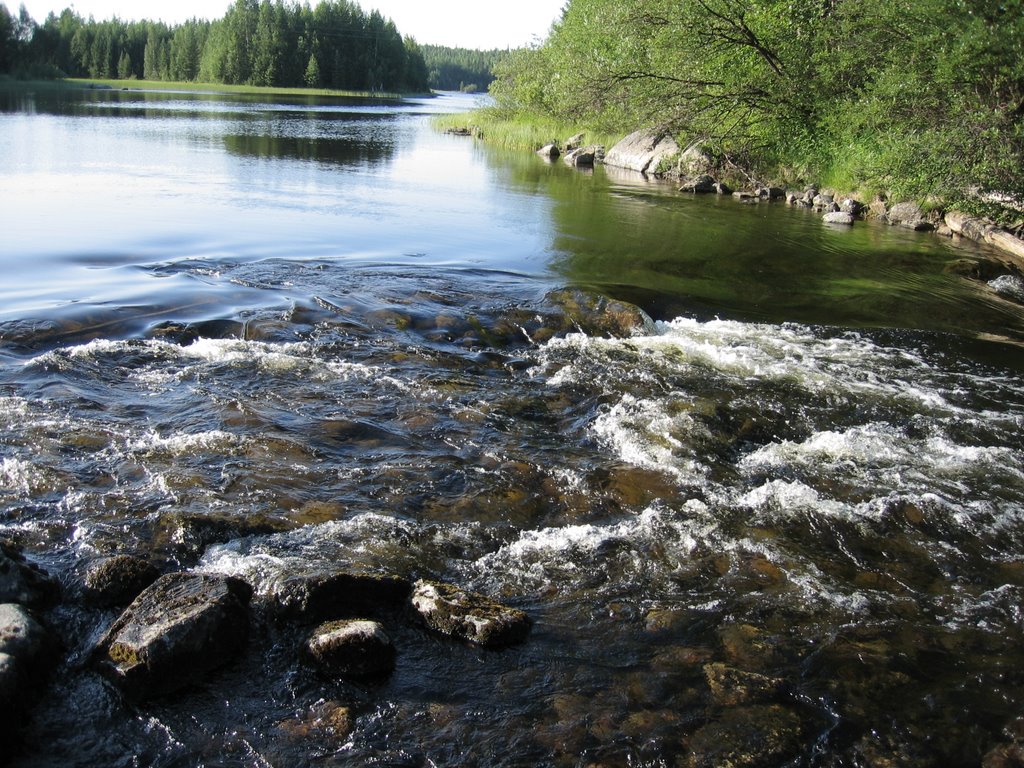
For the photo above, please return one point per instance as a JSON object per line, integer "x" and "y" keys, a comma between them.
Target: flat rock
{"x": 24, "y": 583}
{"x": 178, "y": 630}
{"x": 357, "y": 648}
{"x": 469, "y": 616}
{"x": 643, "y": 151}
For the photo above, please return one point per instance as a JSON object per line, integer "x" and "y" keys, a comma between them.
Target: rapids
{"x": 779, "y": 521}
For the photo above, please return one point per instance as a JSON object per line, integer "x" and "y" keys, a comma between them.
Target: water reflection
{"x": 358, "y": 150}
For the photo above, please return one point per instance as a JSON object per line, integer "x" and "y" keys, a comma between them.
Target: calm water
{"x": 782, "y": 524}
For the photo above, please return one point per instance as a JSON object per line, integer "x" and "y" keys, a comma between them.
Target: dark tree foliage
{"x": 258, "y": 42}
{"x": 461, "y": 69}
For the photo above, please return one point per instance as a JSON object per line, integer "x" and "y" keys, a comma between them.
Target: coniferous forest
{"x": 334, "y": 44}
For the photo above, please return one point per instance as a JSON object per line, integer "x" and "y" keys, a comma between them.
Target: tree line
{"x": 258, "y": 42}
{"x": 917, "y": 97}
{"x": 460, "y": 69}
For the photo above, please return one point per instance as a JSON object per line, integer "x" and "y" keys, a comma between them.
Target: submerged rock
{"x": 118, "y": 580}
{"x": 356, "y": 648}
{"x": 764, "y": 735}
{"x": 188, "y": 534}
{"x": 24, "y": 583}
{"x": 596, "y": 315}
{"x": 177, "y": 631}
{"x": 469, "y": 616}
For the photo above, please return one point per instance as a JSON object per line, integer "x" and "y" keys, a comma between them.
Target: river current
{"x": 778, "y": 521}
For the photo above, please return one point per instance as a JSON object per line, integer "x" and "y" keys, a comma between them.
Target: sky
{"x": 459, "y": 23}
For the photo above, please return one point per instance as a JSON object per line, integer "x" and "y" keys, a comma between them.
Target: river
{"x": 780, "y": 523}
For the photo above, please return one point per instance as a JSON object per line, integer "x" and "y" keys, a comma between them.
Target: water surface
{"x": 784, "y": 516}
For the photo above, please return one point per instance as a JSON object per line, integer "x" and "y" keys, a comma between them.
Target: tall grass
{"x": 521, "y": 132}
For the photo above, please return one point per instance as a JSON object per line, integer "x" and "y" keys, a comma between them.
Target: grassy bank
{"x": 254, "y": 90}
{"x": 529, "y": 133}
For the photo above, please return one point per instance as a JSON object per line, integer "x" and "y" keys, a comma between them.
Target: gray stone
{"x": 643, "y": 151}
{"x": 822, "y": 200}
{"x": 549, "y": 151}
{"x": 699, "y": 185}
{"x": 722, "y": 188}
{"x": 24, "y": 583}
{"x": 177, "y": 631}
{"x": 574, "y": 142}
{"x": 838, "y": 217}
{"x": 582, "y": 157}
{"x": 905, "y": 215}
{"x": 351, "y": 648}
{"x": 464, "y": 615}
{"x": 851, "y": 206}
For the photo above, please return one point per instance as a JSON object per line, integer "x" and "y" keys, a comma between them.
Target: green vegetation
{"x": 525, "y": 132}
{"x": 334, "y": 45}
{"x": 917, "y": 99}
{"x": 460, "y": 69}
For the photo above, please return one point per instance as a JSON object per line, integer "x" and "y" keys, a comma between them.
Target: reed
{"x": 522, "y": 132}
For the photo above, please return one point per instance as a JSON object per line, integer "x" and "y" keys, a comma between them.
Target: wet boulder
{"x": 26, "y": 655}
{"x": 596, "y": 315}
{"x": 355, "y": 648}
{"x": 700, "y": 185}
{"x": 178, "y": 630}
{"x": 549, "y": 151}
{"x": 320, "y": 597}
{"x": 583, "y": 157}
{"x": 117, "y": 580}
{"x": 464, "y": 615}
{"x": 24, "y": 583}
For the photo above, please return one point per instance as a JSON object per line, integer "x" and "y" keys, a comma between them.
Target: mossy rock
{"x": 175, "y": 633}
{"x": 469, "y": 616}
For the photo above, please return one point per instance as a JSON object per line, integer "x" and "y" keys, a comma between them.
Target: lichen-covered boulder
{"x": 357, "y": 648}
{"x": 469, "y": 616}
{"x": 320, "y": 597}
{"x": 24, "y": 583}
{"x": 178, "y": 630}
{"x": 117, "y": 580}
{"x": 643, "y": 151}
